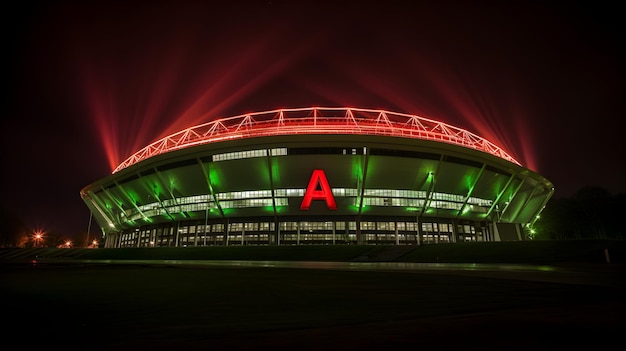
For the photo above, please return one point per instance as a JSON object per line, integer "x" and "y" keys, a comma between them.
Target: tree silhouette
{"x": 12, "y": 230}
{"x": 592, "y": 213}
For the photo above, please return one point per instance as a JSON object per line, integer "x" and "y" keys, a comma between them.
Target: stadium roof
{"x": 317, "y": 120}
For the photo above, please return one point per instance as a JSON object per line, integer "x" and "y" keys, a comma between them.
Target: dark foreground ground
{"x": 144, "y": 306}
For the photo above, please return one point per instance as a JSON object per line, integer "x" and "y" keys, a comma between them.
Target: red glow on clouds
{"x": 159, "y": 82}
{"x": 176, "y": 90}
{"x": 438, "y": 93}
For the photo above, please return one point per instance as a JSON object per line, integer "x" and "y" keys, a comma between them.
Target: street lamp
{"x": 38, "y": 237}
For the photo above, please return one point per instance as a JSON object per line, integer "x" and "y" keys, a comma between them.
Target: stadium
{"x": 323, "y": 176}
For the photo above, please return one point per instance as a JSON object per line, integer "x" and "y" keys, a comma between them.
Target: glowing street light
{"x": 38, "y": 238}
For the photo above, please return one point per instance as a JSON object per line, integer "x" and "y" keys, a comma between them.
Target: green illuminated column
{"x": 226, "y": 231}
{"x": 361, "y": 191}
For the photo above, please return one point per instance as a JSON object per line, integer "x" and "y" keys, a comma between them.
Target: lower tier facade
{"x": 315, "y": 231}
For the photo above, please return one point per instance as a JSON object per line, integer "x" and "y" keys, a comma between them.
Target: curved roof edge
{"x": 317, "y": 120}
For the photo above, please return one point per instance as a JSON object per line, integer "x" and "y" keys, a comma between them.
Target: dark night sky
{"x": 92, "y": 82}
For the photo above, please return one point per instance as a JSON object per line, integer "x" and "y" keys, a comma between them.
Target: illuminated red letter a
{"x": 323, "y": 193}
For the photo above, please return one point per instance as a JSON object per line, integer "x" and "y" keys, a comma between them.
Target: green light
{"x": 545, "y": 268}
{"x": 425, "y": 182}
{"x": 264, "y": 172}
{"x": 275, "y": 173}
{"x": 357, "y": 169}
{"x": 469, "y": 182}
{"x": 353, "y": 208}
{"x": 500, "y": 183}
{"x": 133, "y": 197}
{"x": 466, "y": 209}
{"x": 214, "y": 177}
{"x": 157, "y": 190}
{"x": 357, "y": 172}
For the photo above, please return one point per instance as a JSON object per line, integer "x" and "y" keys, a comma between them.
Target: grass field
{"x": 58, "y": 300}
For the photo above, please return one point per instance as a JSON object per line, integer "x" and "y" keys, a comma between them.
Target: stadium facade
{"x": 317, "y": 176}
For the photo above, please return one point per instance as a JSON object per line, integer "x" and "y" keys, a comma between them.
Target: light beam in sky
{"x": 434, "y": 90}
{"x": 135, "y": 103}
{"x": 144, "y": 92}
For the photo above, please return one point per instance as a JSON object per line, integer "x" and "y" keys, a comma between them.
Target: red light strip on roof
{"x": 317, "y": 120}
